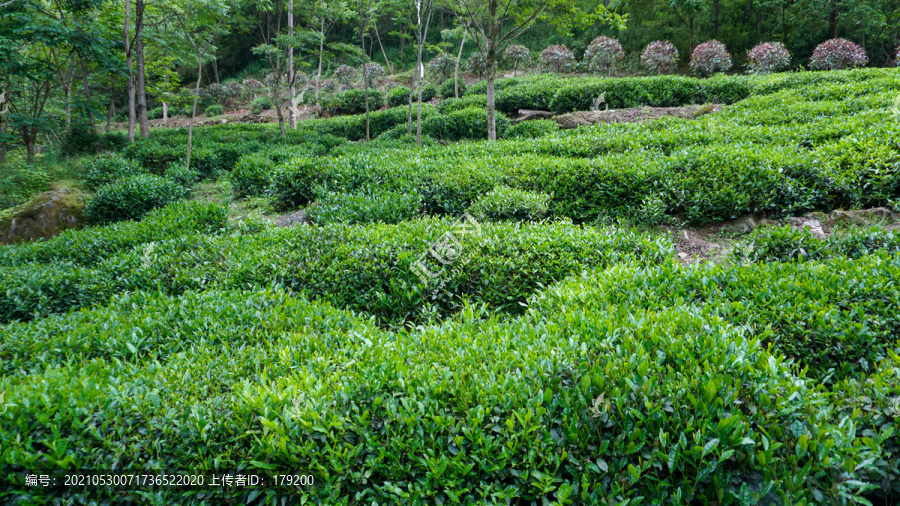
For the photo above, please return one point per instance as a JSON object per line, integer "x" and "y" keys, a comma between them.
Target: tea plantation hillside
{"x": 472, "y": 322}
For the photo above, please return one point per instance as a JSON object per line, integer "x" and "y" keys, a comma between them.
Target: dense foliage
{"x": 603, "y": 55}
{"x": 838, "y": 54}
{"x": 660, "y": 57}
{"x": 557, "y": 57}
{"x": 768, "y": 57}
{"x": 550, "y": 357}
{"x": 710, "y": 57}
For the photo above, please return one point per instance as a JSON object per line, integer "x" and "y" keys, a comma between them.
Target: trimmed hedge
{"x": 363, "y": 268}
{"x": 655, "y": 91}
{"x": 504, "y": 203}
{"x": 627, "y": 404}
{"x": 90, "y": 245}
{"x": 131, "y": 198}
{"x": 108, "y": 168}
{"x": 838, "y": 317}
{"x": 531, "y": 129}
{"x": 365, "y": 206}
{"x": 354, "y": 101}
{"x": 398, "y": 96}
{"x": 469, "y": 123}
{"x": 449, "y": 88}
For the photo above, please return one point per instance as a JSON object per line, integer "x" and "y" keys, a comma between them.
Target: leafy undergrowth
{"x": 549, "y": 361}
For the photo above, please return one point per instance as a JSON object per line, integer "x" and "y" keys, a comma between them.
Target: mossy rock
{"x": 44, "y": 216}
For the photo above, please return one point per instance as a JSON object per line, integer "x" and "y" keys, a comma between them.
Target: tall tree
{"x": 132, "y": 117}
{"x": 200, "y": 21}
{"x": 278, "y": 49}
{"x": 323, "y": 15}
{"x": 141, "y": 70}
{"x": 423, "y": 12}
{"x": 493, "y": 24}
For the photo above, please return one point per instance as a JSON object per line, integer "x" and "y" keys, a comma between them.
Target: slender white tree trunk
{"x": 456, "y": 70}
{"x": 292, "y": 89}
{"x": 132, "y": 118}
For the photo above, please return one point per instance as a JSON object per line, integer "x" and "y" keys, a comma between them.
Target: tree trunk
{"x": 67, "y": 90}
{"x": 131, "y": 92}
{"x": 491, "y": 60}
{"x": 412, "y": 92}
{"x": 715, "y": 18}
{"x": 292, "y": 88}
{"x": 456, "y": 69}
{"x": 194, "y": 111}
{"x": 383, "y": 53}
{"x": 833, "y": 23}
{"x": 143, "y": 121}
{"x": 691, "y": 21}
{"x": 87, "y": 92}
{"x": 319, "y": 73}
{"x": 28, "y": 138}
{"x": 419, "y": 89}
{"x": 276, "y": 98}
{"x": 2, "y": 144}
{"x": 112, "y": 111}
{"x": 362, "y": 44}
{"x": 166, "y": 104}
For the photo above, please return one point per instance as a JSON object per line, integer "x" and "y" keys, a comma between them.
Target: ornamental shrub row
{"x": 547, "y": 92}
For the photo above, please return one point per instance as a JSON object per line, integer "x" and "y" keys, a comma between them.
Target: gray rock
{"x": 44, "y": 216}
{"x": 811, "y": 224}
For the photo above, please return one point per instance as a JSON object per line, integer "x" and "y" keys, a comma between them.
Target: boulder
{"x": 809, "y": 223}
{"x": 528, "y": 115}
{"x": 42, "y": 217}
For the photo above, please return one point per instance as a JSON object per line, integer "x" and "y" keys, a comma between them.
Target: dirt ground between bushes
{"x": 713, "y": 243}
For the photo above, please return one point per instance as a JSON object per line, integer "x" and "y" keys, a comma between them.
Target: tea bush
{"x": 457, "y": 104}
{"x": 261, "y": 104}
{"x": 657, "y": 91}
{"x": 531, "y": 129}
{"x": 93, "y": 244}
{"x": 354, "y": 101}
{"x": 214, "y": 110}
{"x": 504, "y": 203}
{"x": 108, "y": 168}
{"x": 785, "y": 244}
{"x": 398, "y": 96}
{"x": 449, "y": 88}
{"x": 469, "y": 123}
{"x": 365, "y": 206}
{"x": 363, "y": 268}
{"x": 131, "y": 198}
{"x": 429, "y": 92}
{"x": 835, "y": 317}
{"x": 596, "y": 405}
